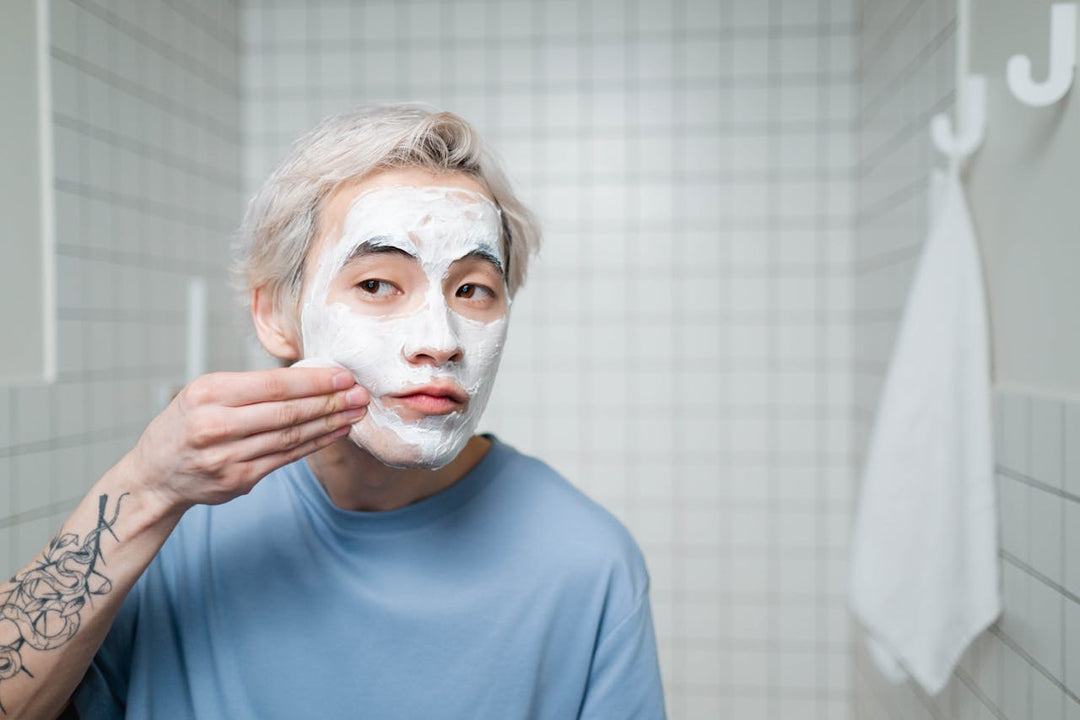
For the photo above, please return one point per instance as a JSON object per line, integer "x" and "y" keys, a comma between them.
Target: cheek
{"x": 483, "y": 344}
{"x": 369, "y": 347}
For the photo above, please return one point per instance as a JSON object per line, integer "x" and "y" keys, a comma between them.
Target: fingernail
{"x": 343, "y": 380}
{"x": 356, "y": 396}
{"x": 355, "y": 413}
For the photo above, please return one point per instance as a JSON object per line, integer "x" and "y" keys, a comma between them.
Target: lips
{"x": 433, "y": 399}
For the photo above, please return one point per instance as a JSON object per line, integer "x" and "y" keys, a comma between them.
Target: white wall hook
{"x": 971, "y": 118}
{"x": 1062, "y": 62}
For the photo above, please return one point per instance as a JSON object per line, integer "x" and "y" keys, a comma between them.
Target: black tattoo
{"x": 41, "y": 606}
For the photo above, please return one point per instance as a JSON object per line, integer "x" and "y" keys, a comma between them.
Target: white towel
{"x": 924, "y": 574}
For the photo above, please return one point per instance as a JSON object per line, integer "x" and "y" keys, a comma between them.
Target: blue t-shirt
{"x": 507, "y": 595}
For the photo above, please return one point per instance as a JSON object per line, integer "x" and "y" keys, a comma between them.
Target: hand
{"x": 226, "y": 431}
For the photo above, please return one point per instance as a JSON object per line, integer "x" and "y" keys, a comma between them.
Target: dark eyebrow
{"x": 374, "y": 246}
{"x": 486, "y": 256}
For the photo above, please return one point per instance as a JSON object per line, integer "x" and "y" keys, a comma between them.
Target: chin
{"x": 431, "y": 453}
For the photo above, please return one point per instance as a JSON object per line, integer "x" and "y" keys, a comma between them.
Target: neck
{"x": 355, "y": 480}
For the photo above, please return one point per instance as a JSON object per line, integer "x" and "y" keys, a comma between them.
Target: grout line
{"x": 1021, "y": 565}
{"x": 1062, "y": 572}
{"x": 1015, "y": 647}
{"x": 1037, "y": 484}
{"x": 38, "y": 513}
{"x": 67, "y": 441}
{"x": 967, "y": 680}
{"x": 173, "y": 107}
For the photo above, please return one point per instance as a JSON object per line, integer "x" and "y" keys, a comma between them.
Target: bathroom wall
{"x": 147, "y": 183}
{"x": 682, "y": 350}
{"x": 1023, "y": 193}
{"x": 1028, "y": 664}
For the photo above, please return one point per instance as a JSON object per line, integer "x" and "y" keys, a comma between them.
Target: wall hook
{"x": 1062, "y": 62}
{"x": 971, "y": 119}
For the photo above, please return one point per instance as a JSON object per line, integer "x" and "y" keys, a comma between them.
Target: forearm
{"x": 212, "y": 443}
{"x": 55, "y": 612}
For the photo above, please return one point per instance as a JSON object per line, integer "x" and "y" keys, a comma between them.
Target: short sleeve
{"x": 102, "y": 693}
{"x": 624, "y": 681}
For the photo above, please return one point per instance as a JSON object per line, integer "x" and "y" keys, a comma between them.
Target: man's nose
{"x": 433, "y": 340}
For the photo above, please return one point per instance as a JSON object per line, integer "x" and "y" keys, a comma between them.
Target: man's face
{"x": 406, "y": 289}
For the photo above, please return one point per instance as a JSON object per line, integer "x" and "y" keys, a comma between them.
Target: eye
{"x": 378, "y": 288}
{"x": 470, "y": 290}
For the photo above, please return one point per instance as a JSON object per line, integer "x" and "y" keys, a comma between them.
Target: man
{"x": 406, "y": 568}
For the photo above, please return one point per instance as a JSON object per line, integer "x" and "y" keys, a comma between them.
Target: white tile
{"x": 1013, "y": 513}
{"x": 290, "y": 25}
{"x": 750, "y": 669}
{"x": 843, "y": 54}
{"x": 798, "y": 672}
{"x": 653, "y": 526}
{"x": 1072, "y": 709}
{"x": 96, "y": 36}
{"x": 7, "y": 507}
{"x": 699, "y": 60}
{"x": 1047, "y": 698}
{"x": 32, "y": 414}
{"x": 1044, "y": 523}
{"x": 798, "y": 199}
{"x": 704, "y": 14}
{"x": 1047, "y": 450}
{"x": 750, "y": 105}
{"x": 706, "y": 666}
{"x": 703, "y": 526}
{"x": 69, "y": 471}
{"x": 702, "y": 575}
{"x": 1071, "y": 436}
{"x": 7, "y": 416}
{"x": 798, "y": 573}
{"x": 656, "y": 17}
{"x": 1016, "y": 620}
{"x": 749, "y": 573}
{"x": 842, "y": 11}
{"x": 1046, "y": 613}
{"x": 516, "y": 19}
{"x": 800, "y": 55}
{"x": 749, "y": 528}
{"x": 1015, "y": 685}
{"x": 750, "y": 56}
{"x": 1072, "y": 644}
{"x": 749, "y": 13}
{"x": 469, "y": 19}
{"x": 748, "y": 707}
{"x": 1014, "y": 450}
{"x": 1072, "y": 542}
{"x": 988, "y": 667}
{"x": 750, "y": 435}
{"x": 31, "y": 481}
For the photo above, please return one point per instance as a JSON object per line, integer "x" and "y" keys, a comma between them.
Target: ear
{"x": 277, "y": 333}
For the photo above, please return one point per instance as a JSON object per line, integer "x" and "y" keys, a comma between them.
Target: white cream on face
{"x": 437, "y": 226}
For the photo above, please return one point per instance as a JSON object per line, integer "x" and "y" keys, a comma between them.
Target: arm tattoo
{"x": 41, "y": 607}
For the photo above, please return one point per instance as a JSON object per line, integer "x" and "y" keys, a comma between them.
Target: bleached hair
{"x": 283, "y": 216}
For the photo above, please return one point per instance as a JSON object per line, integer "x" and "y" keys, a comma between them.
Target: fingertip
{"x": 343, "y": 380}
{"x": 358, "y": 396}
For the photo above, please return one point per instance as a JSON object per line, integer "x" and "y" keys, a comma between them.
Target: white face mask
{"x": 437, "y": 226}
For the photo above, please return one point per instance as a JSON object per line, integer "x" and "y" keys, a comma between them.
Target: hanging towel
{"x": 924, "y": 573}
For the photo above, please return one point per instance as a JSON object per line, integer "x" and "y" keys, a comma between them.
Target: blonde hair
{"x": 283, "y": 216}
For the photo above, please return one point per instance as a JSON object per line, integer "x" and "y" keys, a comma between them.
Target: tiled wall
{"x": 1028, "y": 664}
{"x": 147, "y": 161}
{"x": 682, "y": 350}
